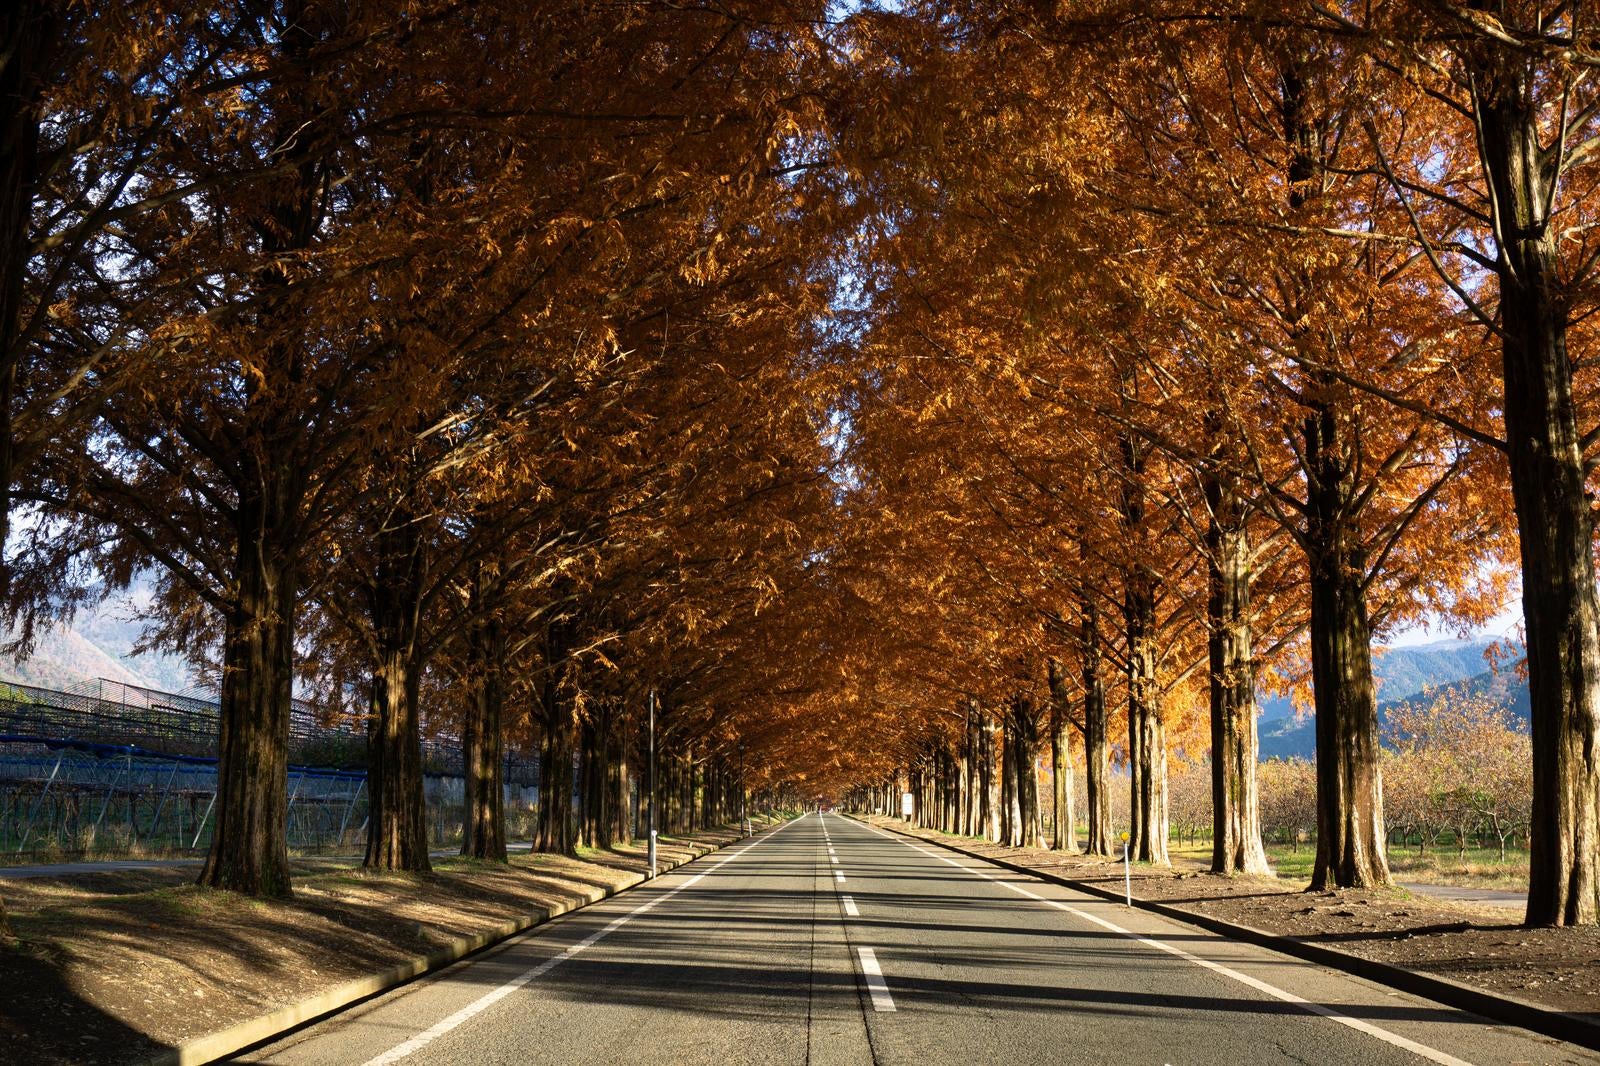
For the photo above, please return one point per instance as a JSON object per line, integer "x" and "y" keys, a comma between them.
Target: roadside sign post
{"x": 907, "y": 805}
{"x": 1127, "y": 875}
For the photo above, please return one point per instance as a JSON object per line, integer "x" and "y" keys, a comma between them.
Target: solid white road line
{"x": 489, "y": 999}
{"x": 1422, "y": 1050}
{"x": 882, "y": 1002}
{"x": 850, "y": 907}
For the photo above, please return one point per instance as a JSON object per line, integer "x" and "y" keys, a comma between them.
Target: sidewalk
{"x": 100, "y": 866}
{"x": 1487, "y": 897}
{"x": 1477, "y": 944}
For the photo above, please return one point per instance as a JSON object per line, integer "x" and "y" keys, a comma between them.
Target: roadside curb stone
{"x": 252, "y": 1031}
{"x": 1496, "y": 1006}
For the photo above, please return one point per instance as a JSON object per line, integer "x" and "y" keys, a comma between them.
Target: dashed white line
{"x": 882, "y": 1001}
{"x": 850, "y": 907}
{"x": 489, "y": 999}
{"x": 1422, "y": 1050}
{"x": 838, "y": 875}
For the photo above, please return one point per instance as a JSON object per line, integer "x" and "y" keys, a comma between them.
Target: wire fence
{"x": 110, "y": 769}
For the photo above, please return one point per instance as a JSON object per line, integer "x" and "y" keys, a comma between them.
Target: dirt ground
{"x": 1474, "y": 944}
{"x": 112, "y": 967}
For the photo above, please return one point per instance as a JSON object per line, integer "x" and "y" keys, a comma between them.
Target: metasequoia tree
{"x": 309, "y": 210}
{"x": 1246, "y": 137}
{"x": 1484, "y": 128}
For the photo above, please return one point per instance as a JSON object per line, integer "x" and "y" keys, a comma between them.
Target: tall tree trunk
{"x": 26, "y": 27}
{"x": 1022, "y": 745}
{"x": 554, "y": 830}
{"x": 1010, "y": 817}
{"x": 1147, "y": 741}
{"x": 975, "y": 773}
{"x": 1147, "y": 731}
{"x": 1235, "y": 799}
{"x": 553, "y": 823}
{"x": 1549, "y": 488}
{"x": 249, "y": 844}
{"x": 993, "y": 810}
{"x": 1096, "y": 735}
{"x": 483, "y": 746}
{"x": 1350, "y": 833}
{"x": 964, "y": 778}
{"x": 397, "y": 828}
{"x": 1064, "y": 836}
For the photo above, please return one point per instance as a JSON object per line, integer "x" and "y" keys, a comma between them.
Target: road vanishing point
{"x": 829, "y": 941}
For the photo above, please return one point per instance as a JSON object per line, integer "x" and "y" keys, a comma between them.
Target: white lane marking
{"x": 489, "y": 999}
{"x": 1421, "y": 1050}
{"x": 882, "y": 1001}
{"x": 850, "y": 907}
{"x": 839, "y": 876}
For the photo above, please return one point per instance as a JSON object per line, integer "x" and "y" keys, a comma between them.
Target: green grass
{"x": 1477, "y": 868}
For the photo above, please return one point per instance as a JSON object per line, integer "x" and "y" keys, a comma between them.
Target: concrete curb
{"x": 1496, "y": 1006}
{"x": 252, "y": 1031}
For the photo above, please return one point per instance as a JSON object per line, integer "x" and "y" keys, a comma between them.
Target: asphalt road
{"x": 825, "y": 941}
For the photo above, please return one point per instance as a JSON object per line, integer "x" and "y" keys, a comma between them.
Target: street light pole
{"x": 652, "y": 820}
{"x": 744, "y": 810}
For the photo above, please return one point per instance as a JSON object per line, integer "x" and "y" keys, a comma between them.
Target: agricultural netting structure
{"x": 110, "y": 769}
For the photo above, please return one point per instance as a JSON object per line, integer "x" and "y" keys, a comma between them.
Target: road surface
{"x": 826, "y": 941}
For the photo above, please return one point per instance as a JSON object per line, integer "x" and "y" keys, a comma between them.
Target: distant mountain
{"x": 98, "y": 644}
{"x": 1403, "y": 672}
{"x": 1407, "y": 676}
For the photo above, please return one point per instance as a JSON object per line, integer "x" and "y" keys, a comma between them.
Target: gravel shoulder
{"x": 113, "y": 966}
{"x": 1475, "y": 942}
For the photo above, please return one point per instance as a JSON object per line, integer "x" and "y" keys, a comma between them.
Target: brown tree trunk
{"x": 1022, "y": 748}
{"x": 249, "y": 844}
{"x": 483, "y": 833}
{"x": 992, "y": 807}
{"x": 1147, "y": 732}
{"x": 1064, "y": 834}
{"x": 554, "y": 822}
{"x": 1096, "y": 733}
{"x": 1350, "y": 833}
{"x": 397, "y": 827}
{"x": 593, "y": 816}
{"x": 1549, "y": 488}
{"x": 1235, "y": 799}
{"x": 964, "y": 784}
{"x": 27, "y": 30}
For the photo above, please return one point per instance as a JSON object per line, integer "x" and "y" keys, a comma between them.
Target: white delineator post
{"x": 1127, "y": 875}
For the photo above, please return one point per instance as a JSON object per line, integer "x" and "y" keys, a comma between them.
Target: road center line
{"x": 850, "y": 907}
{"x": 839, "y": 876}
{"x": 489, "y": 999}
{"x": 1422, "y": 1050}
{"x": 882, "y": 1001}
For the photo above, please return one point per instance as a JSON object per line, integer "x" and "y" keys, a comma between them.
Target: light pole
{"x": 744, "y": 811}
{"x": 651, "y": 823}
